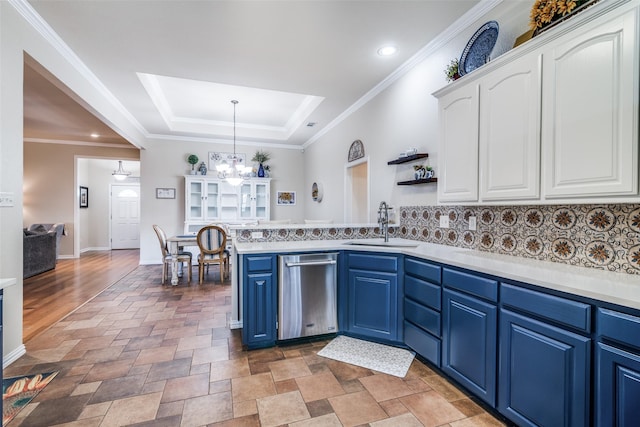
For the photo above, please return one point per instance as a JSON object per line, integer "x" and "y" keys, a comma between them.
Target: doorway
{"x": 357, "y": 192}
{"x": 125, "y": 216}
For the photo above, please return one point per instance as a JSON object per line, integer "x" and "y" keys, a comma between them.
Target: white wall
{"x": 163, "y": 164}
{"x": 402, "y": 116}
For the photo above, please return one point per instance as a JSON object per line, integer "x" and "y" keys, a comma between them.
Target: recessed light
{"x": 95, "y": 135}
{"x": 387, "y": 50}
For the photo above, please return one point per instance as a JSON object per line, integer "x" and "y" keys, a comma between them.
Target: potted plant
{"x": 451, "y": 71}
{"x": 261, "y": 157}
{"x": 193, "y": 160}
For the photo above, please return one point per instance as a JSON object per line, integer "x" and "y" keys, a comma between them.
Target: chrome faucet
{"x": 383, "y": 219}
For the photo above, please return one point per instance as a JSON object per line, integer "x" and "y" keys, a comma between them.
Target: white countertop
{"x": 617, "y": 288}
{"x": 4, "y": 283}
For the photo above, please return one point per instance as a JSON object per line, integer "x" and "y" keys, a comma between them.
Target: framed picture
{"x": 286, "y": 198}
{"x": 165, "y": 193}
{"x": 84, "y": 197}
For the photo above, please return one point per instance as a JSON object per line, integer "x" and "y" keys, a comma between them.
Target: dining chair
{"x": 212, "y": 241}
{"x": 167, "y": 259}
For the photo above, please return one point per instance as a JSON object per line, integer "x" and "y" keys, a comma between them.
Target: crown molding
{"x": 84, "y": 143}
{"x": 459, "y": 26}
{"x": 44, "y": 29}
{"x": 162, "y": 137}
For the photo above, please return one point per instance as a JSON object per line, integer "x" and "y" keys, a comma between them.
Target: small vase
{"x": 260, "y": 171}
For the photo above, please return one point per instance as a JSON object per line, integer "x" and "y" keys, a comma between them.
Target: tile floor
{"x": 143, "y": 354}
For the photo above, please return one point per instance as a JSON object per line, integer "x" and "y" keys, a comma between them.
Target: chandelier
{"x": 120, "y": 174}
{"x": 235, "y": 172}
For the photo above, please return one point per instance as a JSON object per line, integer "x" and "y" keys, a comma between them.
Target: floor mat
{"x": 17, "y": 392}
{"x": 379, "y": 357}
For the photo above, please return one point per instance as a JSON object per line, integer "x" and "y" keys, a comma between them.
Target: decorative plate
{"x": 479, "y": 47}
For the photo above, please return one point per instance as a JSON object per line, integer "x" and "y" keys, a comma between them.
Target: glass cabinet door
{"x": 261, "y": 200}
{"x": 245, "y": 200}
{"x": 213, "y": 211}
{"x": 195, "y": 199}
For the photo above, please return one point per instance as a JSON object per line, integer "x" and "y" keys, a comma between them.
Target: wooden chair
{"x": 183, "y": 257}
{"x": 212, "y": 241}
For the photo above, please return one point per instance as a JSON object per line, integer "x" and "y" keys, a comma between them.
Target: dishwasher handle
{"x": 309, "y": 263}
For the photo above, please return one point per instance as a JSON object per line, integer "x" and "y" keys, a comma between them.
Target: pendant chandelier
{"x": 235, "y": 172}
{"x": 120, "y": 174}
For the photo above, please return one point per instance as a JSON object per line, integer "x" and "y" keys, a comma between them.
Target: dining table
{"x": 176, "y": 243}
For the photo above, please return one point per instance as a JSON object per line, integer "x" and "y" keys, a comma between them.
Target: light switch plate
{"x": 444, "y": 221}
{"x": 256, "y": 235}
{"x": 6, "y": 199}
{"x": 472, "y": 223}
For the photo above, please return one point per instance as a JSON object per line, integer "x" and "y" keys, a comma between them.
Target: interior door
{"x": 125, "y": 216}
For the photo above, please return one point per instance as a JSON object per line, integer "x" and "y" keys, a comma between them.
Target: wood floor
{"x": 50, "y": 296}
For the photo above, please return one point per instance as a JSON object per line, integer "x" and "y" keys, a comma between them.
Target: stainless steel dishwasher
{"x": 307, "y": 295}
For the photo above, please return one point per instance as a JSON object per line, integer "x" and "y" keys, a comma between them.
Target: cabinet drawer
{"x": 423, "y": 343}
{"x": 567, "y": 312}
{"x": 617, "y": 326}
{"x": 424, "y": 292}
{"x": 422, "y": 316}
{"x": 471, "y": 284}
{"x": 259, "y": 263}
{"x": 423, "y": 270}
{"x": 387, "y": 263}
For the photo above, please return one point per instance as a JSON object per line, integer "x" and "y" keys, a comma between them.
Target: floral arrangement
{"x": 261, "y": 157}
{"x": 452, "y": 70}
{"x": 544, "y": 12}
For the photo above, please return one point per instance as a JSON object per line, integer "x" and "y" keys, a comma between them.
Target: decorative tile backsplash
{"x": 291, "y": 233}
{"x": 598, "y": 236}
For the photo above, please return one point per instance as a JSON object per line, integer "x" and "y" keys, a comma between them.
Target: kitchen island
{"x": 510, "y": 330}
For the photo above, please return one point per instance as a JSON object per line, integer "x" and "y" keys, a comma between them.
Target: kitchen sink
{"x": 392, "y": 243}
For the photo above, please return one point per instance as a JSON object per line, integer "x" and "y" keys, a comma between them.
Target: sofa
{"x": 39, "y": 252}
{"x": 58, "y": 229}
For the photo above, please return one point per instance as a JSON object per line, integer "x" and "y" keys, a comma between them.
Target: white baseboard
{"x": 153, "y": 261}
{"x": 235, "y": 324}
{"x": 100, "y": 248}
{"x": 13, "y": 356}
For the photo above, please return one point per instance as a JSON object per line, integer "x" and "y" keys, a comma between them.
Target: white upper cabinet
{"x": 254, "y": 200}
{"x": 209, "y": 199}
{"x": 510, "y": 131}
{"x": 590, "y": 100}
{"x": 458, "y": 159}
{"x": 202, "y": 199}
{"x": 553, "y": 121}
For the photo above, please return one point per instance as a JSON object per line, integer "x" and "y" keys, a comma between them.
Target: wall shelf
{"x": 418, "y": 181}
{"x": 407, "y": 159}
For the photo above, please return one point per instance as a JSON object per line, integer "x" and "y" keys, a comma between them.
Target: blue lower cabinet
{"x": 617, "y": 385}
{"x": 259, "y": 302}
{"x": 544, "y": 373}
{"x": 423, "y": 343}
{"x": 469, "y": 349}
{"x": 373, "y": 304}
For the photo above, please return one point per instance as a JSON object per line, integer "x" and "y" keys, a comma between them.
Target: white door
{"x": 125, "y": 216}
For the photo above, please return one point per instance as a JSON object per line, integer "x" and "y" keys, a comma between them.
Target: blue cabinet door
{"x": 617, "y": 387}
{"x": 469, "y": 343}
{"x": 259, "y": 302}
{"x": 373, "y": 304}
{"x": 544, "y": 373}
